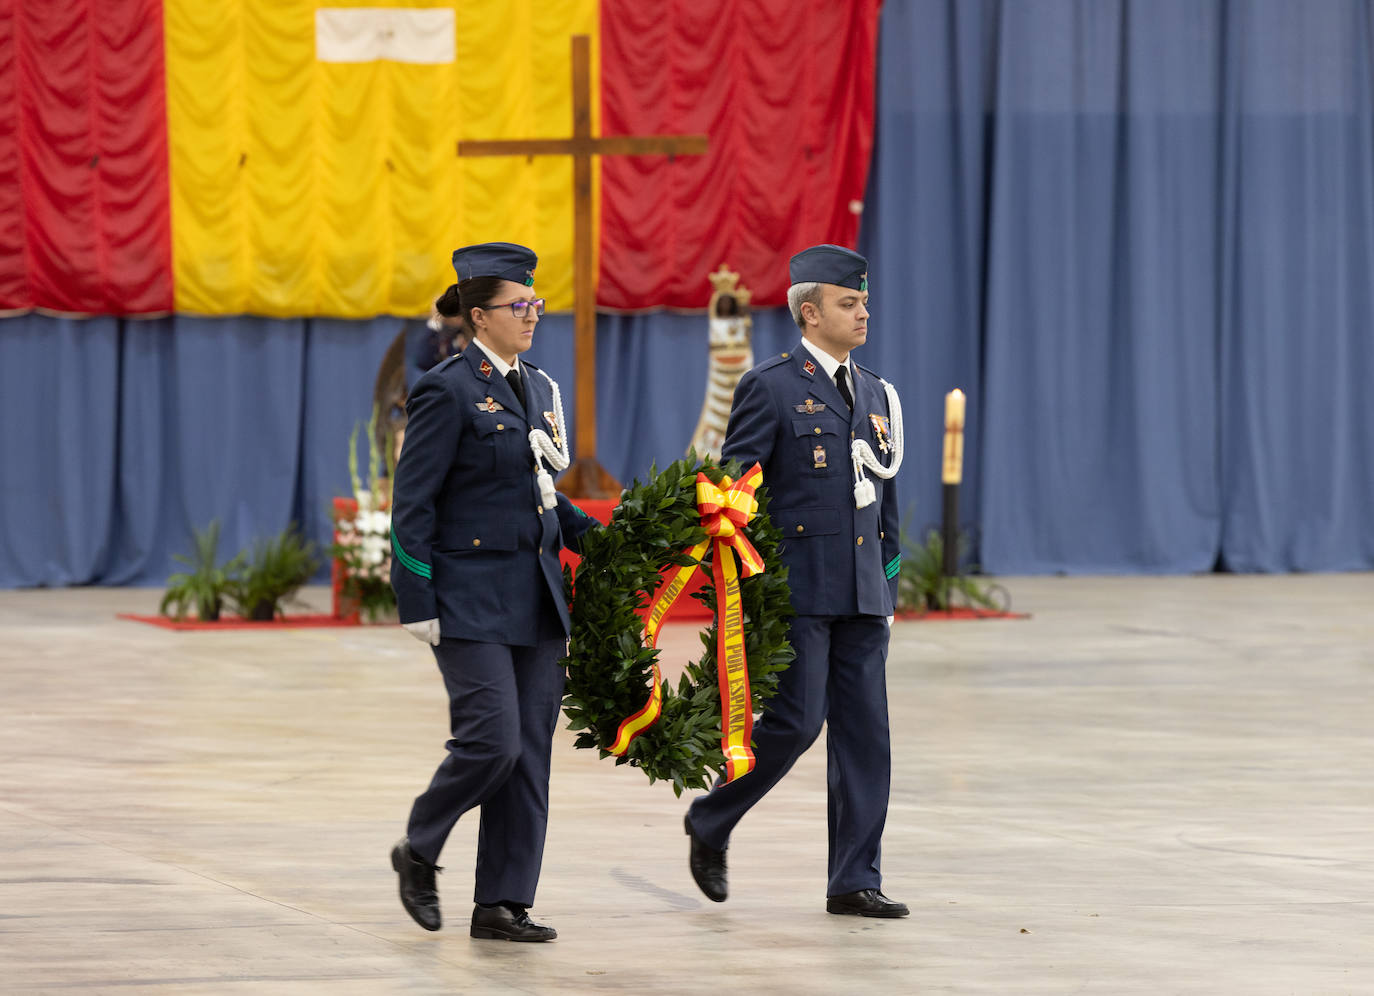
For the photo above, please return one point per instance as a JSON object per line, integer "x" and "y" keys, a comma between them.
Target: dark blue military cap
{"x": 504, "y": 260}
{"x": 827, "y": 264}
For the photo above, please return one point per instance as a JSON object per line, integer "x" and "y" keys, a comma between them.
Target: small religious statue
{"x": 732, "y": 354}
{"x": 418, "y": 346}
{"x": 389, "y": 398}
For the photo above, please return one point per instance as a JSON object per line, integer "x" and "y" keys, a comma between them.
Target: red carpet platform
{"x": 288, "y": 622}
{"x": 954, "y": 615}
{"x": 689, "y": 612}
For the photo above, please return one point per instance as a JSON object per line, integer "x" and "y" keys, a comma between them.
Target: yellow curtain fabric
{"x": 304, "y": 187}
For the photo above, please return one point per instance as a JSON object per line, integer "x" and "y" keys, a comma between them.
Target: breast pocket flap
{"x": 489, "y": 424}
{"x": 799, "y": 522}
{"x": 477, "y": 537}
{"x": 815, "y": 427}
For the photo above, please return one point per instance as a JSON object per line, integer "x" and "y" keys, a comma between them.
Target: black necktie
{"x": 842, "y": 382}
{"x": 513, "y": 378}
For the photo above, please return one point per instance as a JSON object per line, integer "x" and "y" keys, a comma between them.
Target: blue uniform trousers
{"x": 837, "y": 678}
{"x": 503, "y": 707}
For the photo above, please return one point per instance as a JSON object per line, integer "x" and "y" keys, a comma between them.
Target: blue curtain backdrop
{"x": 122, "y": 436}
{"x": 1137, "y": 234}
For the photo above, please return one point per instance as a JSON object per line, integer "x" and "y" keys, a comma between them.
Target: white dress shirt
{"x": 829, "y": 364}
{"x": 502, "y": 367}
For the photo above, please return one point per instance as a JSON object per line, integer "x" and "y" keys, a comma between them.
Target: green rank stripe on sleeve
{"x": 893, "y": 566}
{"x": 409, "y": 562}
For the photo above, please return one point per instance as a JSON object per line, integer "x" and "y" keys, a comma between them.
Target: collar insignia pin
{"x": 485, "y": 368}
{"x": 809, "y": 367}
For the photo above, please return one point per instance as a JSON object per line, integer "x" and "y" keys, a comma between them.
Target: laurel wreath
{"x": 609, "y": 667}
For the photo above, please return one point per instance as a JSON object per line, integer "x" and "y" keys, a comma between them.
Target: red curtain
{"x": 785, "y": 92}
{"x": 84, "y": 218}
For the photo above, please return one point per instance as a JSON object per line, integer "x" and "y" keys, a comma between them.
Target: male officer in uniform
{"x": 797, "y": 415}
{"x": 476, "y": 572}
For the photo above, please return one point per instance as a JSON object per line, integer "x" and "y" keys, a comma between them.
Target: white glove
{"x": 426, "y": 631}
{"x": 889, "y": 621}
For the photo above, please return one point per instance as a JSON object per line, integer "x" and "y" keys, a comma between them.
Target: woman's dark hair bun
{"x": 450, "y": 304}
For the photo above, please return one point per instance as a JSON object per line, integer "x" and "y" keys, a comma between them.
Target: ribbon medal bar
{"x": 879, "y": 423}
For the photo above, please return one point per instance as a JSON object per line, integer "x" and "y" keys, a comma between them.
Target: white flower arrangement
{"x": 362, "y": 543}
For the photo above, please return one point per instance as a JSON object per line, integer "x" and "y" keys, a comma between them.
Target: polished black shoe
{"x": 418, "y": 893}
{"x": 865, "y": 902}
{"x": 507, "y": 923}
{"x": 708, "y": 866}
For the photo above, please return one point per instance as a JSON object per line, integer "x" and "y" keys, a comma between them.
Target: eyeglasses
{"x": 520, "y": 308}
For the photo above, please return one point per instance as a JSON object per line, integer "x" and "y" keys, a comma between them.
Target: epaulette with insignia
{"x": 772, "y": 361}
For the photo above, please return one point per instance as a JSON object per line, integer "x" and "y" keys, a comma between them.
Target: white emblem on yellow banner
{"x": 375, "y": 34}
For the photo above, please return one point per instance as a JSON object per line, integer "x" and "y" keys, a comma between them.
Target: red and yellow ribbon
{"x": 725, "y": 510}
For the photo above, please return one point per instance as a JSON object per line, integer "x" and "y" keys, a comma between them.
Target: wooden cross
{"x": 586, "y": 478}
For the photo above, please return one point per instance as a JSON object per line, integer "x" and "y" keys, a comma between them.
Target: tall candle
{"x": 954, "y": 410}
{"x": 952, "y": 470}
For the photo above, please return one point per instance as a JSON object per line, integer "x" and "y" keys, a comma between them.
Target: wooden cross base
{"x": 586, "y": 478}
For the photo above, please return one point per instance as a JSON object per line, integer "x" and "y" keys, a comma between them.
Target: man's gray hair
{"x": 799, "y": 294}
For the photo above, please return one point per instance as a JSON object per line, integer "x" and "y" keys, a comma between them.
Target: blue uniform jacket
{"x": 793, "y": 421}
{"x": 472, "y": 544}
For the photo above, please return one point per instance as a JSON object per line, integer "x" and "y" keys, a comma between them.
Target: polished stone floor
{"x": 1151, "y": 786}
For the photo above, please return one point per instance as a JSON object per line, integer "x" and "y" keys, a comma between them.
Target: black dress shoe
{"x": 507, "y": 923}
{"x": 708, "y": 866}
{"x": 418, "y": 893}
{"x": 865, "y": 902}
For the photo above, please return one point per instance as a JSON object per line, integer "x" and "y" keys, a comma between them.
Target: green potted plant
{"x": 271, "y": 573}
{"x": 205, "y": 583}
{"x": 923, "y": 587}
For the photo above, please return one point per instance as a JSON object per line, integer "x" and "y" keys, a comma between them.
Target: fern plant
{"x": 205, "y": 584}
{"x": 271, "y": 573}
{"x": 923, "y": 587}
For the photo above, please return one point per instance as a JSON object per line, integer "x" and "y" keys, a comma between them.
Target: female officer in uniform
{"x": 475, "y": 541}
